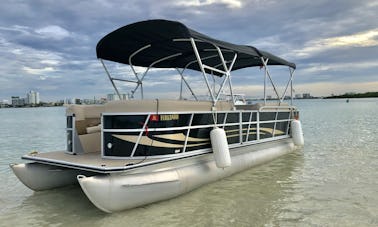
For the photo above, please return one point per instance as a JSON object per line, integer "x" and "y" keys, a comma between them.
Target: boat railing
{"x": 243, "y": 127}
{"x": 70, "y": 133}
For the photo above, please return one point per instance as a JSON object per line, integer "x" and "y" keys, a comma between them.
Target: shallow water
{"x": 332, "y": 181}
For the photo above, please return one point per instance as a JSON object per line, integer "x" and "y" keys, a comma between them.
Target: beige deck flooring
{"x": 88, "y": 159}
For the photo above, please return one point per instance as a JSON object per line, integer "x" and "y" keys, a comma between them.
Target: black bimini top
{"x": 171, "y": 38}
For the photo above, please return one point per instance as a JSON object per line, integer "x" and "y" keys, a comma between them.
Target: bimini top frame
{"x": 170, "y": 44}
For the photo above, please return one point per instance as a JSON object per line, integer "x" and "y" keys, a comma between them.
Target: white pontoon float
{"x": 129, "y": 153}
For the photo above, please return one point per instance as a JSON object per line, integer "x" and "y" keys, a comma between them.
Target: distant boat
{"x": 347, "y": 100}
{"x": 129, "y": 153}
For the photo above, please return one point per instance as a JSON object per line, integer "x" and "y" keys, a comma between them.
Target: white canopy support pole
{"x": 287, "y": 85}
{"x": 265, "y": 76}
{"x": 214, "y": 69}
{"x": 181, "y": 82}
{"x": 221, "y": 87}
{"x": 187, "y": 84}
{"x": 195, "y": 61}
{"x": 270, "y": 78}
{"x": 111, "y": 79}
{"x": 140, "y": 82}
{"x": 133, "y": 69}
{"x": 216, "y": 66}
{"x": 227, "y": 78}
{"x": 226, "y": 73}
{"x": 291, "y": 85}
{"x": 212, "y": 76}
{"x": 232, "y": 63}
{"x": 124, "y": 80}
{"x": 222, "y": 59}
{"x": 132, "y": 55}
{"x": 231, "y": 90}
{"x": 224, "y": 50}
{"x": 141, "y": 89}
{"x": 202, "y": 68}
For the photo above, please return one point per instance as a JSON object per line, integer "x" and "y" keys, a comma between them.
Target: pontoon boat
{"x": 128, "y": 153}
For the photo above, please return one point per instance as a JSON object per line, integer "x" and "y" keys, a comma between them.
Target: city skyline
{"x": 33, "y": 97}
{"x": 50, "y": 46}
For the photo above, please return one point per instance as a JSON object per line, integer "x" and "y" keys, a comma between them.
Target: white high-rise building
{"x": 32, "y": 97}
{"x": 298, "y": 96}
{"x": 112, "y": 97}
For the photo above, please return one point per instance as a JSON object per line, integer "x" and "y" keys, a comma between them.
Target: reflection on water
{"x": 332, "y": 181}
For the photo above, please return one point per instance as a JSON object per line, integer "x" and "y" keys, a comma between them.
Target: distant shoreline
{"x": 357, "y": 95}
{"x": 344, "y": 96}
{"x": 31, "y": 106}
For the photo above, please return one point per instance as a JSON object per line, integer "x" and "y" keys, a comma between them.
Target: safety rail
{"x": 71, "y": 131}
{"x": 242, "y": 128}
{"x": 293, "y": 111}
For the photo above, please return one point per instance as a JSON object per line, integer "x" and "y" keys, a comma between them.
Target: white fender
{"x": 297, "y": 133}
{"x": 220, "y": 148}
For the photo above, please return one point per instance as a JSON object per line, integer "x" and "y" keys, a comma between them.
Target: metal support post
{"x": 183, "y": 79}
{"x": 202, "y": 68}
{"x": 287, "y": 86}
{"x": 111, "y": 79}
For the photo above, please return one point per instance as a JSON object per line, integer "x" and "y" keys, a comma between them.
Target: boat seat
{"x": 157, "y": 106}
{"x": 83, "y": 112}
{"x": 88, "y": 116}
{"x": 257, "y": 106}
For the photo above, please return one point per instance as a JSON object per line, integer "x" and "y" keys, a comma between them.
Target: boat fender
{"x": 220, "y": 148}
{"x": 297, "y": 133}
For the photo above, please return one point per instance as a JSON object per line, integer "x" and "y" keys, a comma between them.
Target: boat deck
{"x": 89, "y": 161}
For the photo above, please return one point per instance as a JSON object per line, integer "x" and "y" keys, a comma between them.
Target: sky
{"x": 49, "y": 46}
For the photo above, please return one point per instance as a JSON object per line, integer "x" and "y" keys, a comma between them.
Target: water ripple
{"x": 331, "y": 182}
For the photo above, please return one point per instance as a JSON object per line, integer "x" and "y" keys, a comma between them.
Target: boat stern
{"x": 38, "y": 177}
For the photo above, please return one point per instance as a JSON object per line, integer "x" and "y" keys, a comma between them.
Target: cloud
{"x": 198, "y": 3}
{"x": 53, "y": 32}
{"x": 17, "y": 28}
{"x": 345, "y": 66}
{"x": 362, "y": 39}
{"x": 52, "y": 45}
{"x": 39, "y": 71}
{"x": 50, "y": 62}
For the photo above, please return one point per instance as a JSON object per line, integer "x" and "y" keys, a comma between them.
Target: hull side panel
{"x": 120, "y": 191}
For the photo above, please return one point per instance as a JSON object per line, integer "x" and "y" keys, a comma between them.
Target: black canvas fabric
{"x": 118, "y": 45}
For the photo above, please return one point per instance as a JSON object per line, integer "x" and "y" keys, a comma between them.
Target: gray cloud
{"x": 50, "y": 45}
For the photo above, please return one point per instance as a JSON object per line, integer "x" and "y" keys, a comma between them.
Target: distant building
{"x": 77, "y": 101}
{"x": 89, "y": 101}
{"x": 298, "y": 96}
{"x": 17, "y": 101}
{"x": 307, "y": 96}
{"x": 4, "y": 103}
{"x": 32, "y": 98}
{"x": 102, "y": 100}
{"x": 68, "y": 101}
{"x": 112, "y": 97}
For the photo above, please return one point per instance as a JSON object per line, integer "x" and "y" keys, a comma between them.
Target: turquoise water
{"x": 332, "y": 181}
